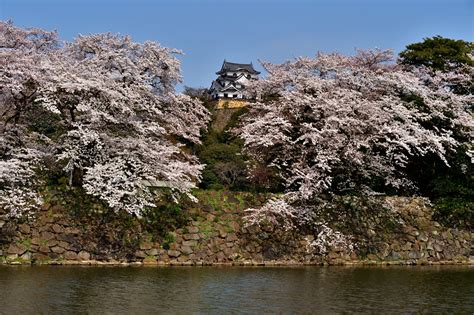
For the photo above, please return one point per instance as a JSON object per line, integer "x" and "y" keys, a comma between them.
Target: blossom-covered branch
{"x": 336, "y": 123}
{"x": 103, "y": 107}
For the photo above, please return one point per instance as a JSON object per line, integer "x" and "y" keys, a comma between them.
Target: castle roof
{"x": 232, "y": 82}
{"x": 230, "y": 78}
{"x": 231, "y": 66}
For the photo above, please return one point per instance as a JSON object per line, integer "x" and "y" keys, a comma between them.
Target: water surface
{"x": 217, "y": 290}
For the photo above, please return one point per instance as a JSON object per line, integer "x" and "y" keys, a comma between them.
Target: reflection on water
{"x": 138, "y": 290}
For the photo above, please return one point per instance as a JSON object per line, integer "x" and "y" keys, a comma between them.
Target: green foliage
{"x": 45, "y": 122}
{"x": 453, "y": 196}
{"x": 450, "y": 188}
{"x": 455, "y": 211}
{"x": 78, "y": 204}
{"x": 166, "y": 216}
{"x": 439, "y": 53}
{"x": 227, "y": 167}
{"x": 233, "y": 201}
{"x": 221, "y": 151}
{"x": 416, "y": 102}
{"x": 168, "y": 239}
{"x": 234, "y": 118}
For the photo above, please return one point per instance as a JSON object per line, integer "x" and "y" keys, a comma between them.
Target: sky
{"x": 209, "y": 31}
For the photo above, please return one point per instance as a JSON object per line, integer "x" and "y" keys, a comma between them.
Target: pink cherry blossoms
{"x": 334, "y": 123}
{"x": 103, "y": 108}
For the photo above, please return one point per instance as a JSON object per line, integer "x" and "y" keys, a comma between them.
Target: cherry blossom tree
{"x": 102, "y": 107}
{"x": 339, "y": 124}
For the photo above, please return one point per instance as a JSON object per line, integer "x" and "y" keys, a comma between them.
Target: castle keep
{"x": 231, "y": 81}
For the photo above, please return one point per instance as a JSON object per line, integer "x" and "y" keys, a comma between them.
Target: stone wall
{"x": 215, "y": 234}
{"x": 230, "y": 103}
{"x": 416, "y": 239}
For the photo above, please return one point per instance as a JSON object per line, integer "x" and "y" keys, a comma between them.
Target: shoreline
{"x": 96, "y": 263}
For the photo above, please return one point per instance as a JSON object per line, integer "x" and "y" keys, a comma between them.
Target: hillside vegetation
{"x": 96, "y": 126}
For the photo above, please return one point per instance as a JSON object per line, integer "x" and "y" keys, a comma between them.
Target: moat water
{"x": 224, "y": 290}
